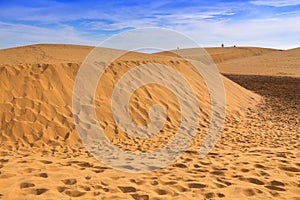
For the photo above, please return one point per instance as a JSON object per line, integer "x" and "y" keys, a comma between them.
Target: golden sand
{"x": 42, "y": 157}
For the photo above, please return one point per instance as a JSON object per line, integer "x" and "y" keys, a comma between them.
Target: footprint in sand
{"x": 84, "y": 164}
{"x": 4, "y": 160}
{"x": 43, "y": 175}
{"x": 289, "y": 169}
{"x": 273, "y": 187}
{"x": 252, "y": 180}
{"x": 196, "y": 185}
{"x": 245, "y": 170}
{"x": 29, "y": 188}
{"x": 127, "y": 189}
{"x": 161, "y": 191}
{"x": 171, "y": 183}
{"x": 26, "y": 185}
{"x": 61, "y": 188}
{"x": 140, "y": 196}
{"x": 38, "y": 191}
{"x": 261, "y": 167}
{"x": 209, "y": 195}
{"x": 180, "y": 165}
{"x": 277, "y": 183}
{"x": 47, "y": 162}
{"x": 74, "y": 193}
{"x": 218, "y": 173}
{"x": 70, "y": 181}
{"x": 98, "y": 171}
{"x": 220, "y": 195}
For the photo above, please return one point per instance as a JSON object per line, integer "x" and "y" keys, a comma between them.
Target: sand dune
{"x": 281, "y": 63}
{"x": 220, "y": 54}
{"x": 250, "y": 60}
{"x": 36, "y": 98}
{"x": 42, "y": 156}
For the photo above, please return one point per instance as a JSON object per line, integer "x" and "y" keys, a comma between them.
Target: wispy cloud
{"x": 271, "y": 32}
{"x": 276, "y": 3}
{"x": 162, "y": 20}
{"x": 15, "y": 34}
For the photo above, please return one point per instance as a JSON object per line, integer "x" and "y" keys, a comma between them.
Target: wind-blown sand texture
{"x": 42, "y": 157}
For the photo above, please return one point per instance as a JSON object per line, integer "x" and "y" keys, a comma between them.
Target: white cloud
{"x": 270, "y": 32}
{"x": 276, "y": 3}
{"x": 280, "y": 32}
{"x": 157, "y": 20}
{"x": 14, "y": 34}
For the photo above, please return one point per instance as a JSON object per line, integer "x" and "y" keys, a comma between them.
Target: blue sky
{"x": 267, "y": 23}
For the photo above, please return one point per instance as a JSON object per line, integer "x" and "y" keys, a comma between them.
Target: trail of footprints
{"x": 164, "y": 183}
{"x": 72, "y": 187}
{"x": 31, "y": 189}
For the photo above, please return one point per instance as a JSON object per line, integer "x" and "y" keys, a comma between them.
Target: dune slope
{"x": 36, "y": 99}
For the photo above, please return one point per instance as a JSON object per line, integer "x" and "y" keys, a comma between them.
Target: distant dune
{"x": 220, "y": 54}
{"x": 250, "y": 60}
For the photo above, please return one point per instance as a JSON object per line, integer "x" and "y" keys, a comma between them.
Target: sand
{"x": 250, "y": 60}
{"x": 42, "y": 156}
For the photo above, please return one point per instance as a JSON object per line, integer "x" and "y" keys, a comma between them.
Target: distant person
{"x": 222, "y": 45}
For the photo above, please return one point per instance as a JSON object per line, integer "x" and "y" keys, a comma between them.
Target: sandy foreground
{"x": 256, "y": 157}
